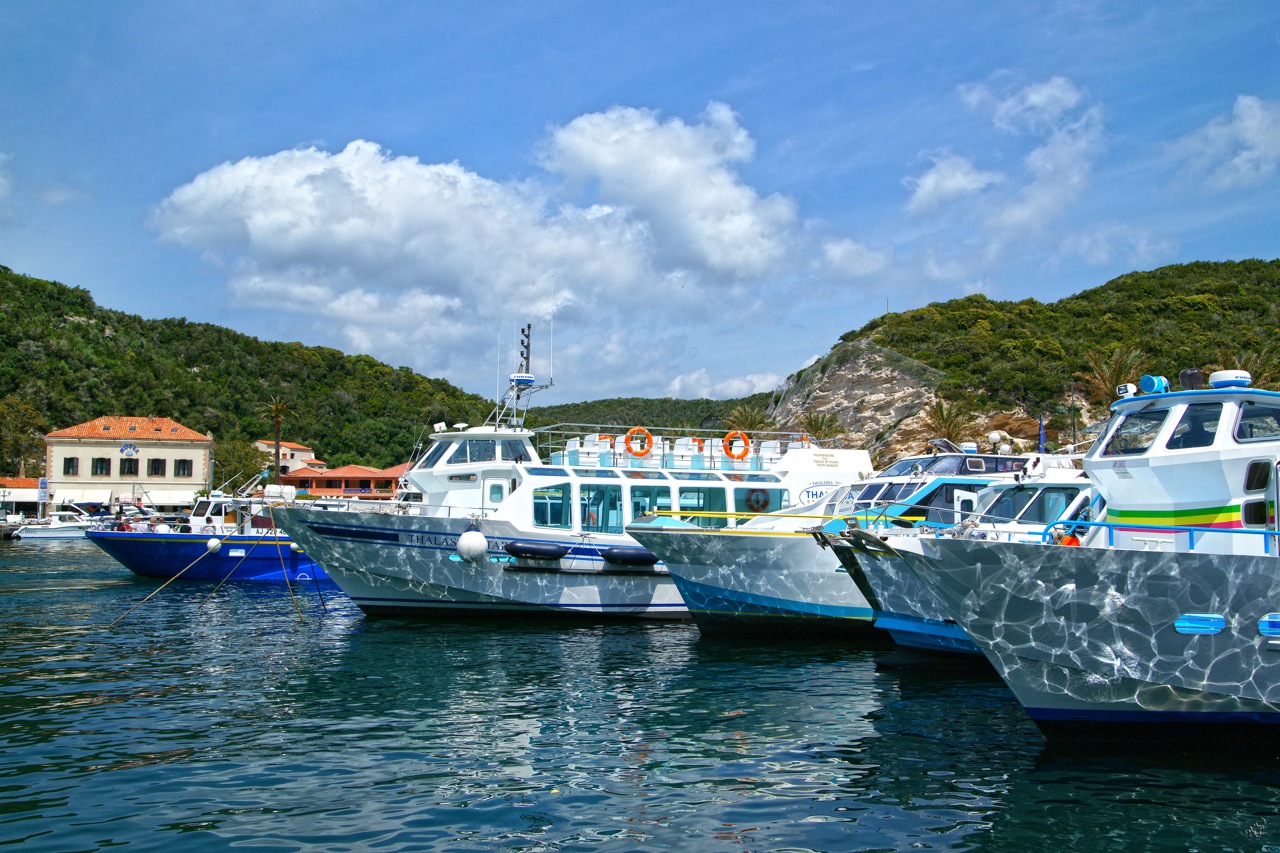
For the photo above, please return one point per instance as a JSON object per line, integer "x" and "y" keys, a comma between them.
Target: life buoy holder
{"x": 208, "y": 528}
{"x": 728, "y": 444}
{"x": 639, "y": 432}
{"x": 758, "y": 500}
{"x": 697, "y": 442}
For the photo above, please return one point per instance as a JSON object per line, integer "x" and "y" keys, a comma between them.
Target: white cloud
{"x": 1239, "y": 150}
{"x": 854, "y": 260}
{"x": 678, "y": 179}
{"x": 1037, "y": 107}
{"x": 698, "y": 383}
{"x": 6, "y": 183}
{"x": 951, "y": 177}
{"x": 1112, "y": 242}
{"x": 1059, "y": 171}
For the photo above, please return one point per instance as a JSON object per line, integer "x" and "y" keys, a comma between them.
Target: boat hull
{"x": 774, "y": 581}
{"x": 409, "y": 565}
{"x": 45, "y": 532}
{"x": 1133, "y": 646}
{"x": 904, "y": 605}
{"x": 239, "y": 558}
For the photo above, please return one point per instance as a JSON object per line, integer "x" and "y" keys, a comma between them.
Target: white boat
{"x": 1020, "y": 510}
{"x": 767, "y": 573}
{"x": 1165, "y": 625}
{"x": 517, "y": 521}
{"x": 761, "y": 574}
{"x": 57, "y": 525}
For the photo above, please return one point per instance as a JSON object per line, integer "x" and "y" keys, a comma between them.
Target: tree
{"x": 748, "y": 419}
{"x": 238, "y": 461}
{"x": 1108, "y": 372}
{"x": 21, "y": 440}
{"x": 821, "y": 425}
{"x": 275, "y": 409}
{"x": 1261, "y": 364}
{"x": 952, "y": 422}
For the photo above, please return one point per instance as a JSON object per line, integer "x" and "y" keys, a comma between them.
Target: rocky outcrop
{"x": 880, "y": 398}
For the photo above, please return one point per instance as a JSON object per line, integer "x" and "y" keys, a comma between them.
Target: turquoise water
{"x": 229, "y": 721}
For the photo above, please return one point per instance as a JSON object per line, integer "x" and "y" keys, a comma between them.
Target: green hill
{"x": 73, "y": 361}
{"x": 1001, "y": 354}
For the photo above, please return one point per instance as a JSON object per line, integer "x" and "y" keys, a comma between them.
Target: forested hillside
{"x": 1006, "y": 354}
{"x": 72, "y": 361}
{"x": 629, "y": 411}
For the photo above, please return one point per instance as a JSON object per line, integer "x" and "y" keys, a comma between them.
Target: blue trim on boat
{"x": 721, "y": 602}
{"x": 927, "y": 634}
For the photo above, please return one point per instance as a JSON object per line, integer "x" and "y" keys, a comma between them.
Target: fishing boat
{"x": 224, "y": 537}
{"x": 1010, "y": 510}
{"x": 520, "y": 521}
{"x": 1164, "y": 625}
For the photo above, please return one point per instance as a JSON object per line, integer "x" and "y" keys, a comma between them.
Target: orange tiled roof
{"x": 19, "y": 483}
{"x": 293, "y": 445}
{"x": 122, "y": 427}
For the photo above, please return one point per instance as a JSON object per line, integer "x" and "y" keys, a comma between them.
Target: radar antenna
{"x": 514, "y": 405}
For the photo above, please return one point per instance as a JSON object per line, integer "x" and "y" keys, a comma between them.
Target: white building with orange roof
{"x": 293, "y": 456}
{"x": 120, "y": 459}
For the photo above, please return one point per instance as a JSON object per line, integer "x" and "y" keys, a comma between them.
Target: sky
{"x": 683, "y": 199}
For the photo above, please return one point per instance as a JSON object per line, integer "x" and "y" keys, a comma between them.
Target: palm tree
{"x": 952, "y": 422}
{"x": 1260, "y": 363}
{"x": 821, "y": 425}
{"x": 748, "y": 419}
{"x": 275, "y": 409}
{"x": 1108, "y": 372}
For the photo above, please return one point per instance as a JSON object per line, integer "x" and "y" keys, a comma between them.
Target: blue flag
{"x": 1042, "y": 433}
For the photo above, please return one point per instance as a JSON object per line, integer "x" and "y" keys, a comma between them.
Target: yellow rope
{"x": 166, "y": 583}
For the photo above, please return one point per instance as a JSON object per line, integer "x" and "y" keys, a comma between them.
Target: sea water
{"x": 254, "y": 717}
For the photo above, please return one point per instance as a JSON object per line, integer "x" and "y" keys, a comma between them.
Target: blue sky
{"x": 704, "y": 196}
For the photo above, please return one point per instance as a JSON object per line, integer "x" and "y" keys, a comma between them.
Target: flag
{"x": 1042, "y": 432}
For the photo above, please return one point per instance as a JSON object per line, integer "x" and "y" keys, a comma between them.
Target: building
{"x": 117, "y": 459}
{"x": 349, "y": 481}
{"x": 292, "y": 455}
{"x": 19, "y": 498}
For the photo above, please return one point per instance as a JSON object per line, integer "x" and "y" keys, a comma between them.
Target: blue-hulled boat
{"x": 224, "y": 538}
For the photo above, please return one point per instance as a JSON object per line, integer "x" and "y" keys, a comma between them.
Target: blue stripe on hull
{"x": 718, "y": 608}
{"x": 926, "y": 634}
{"x": 165, "y": 555}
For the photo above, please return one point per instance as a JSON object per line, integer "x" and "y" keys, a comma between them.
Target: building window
{"x": 155, "y": 467}
{"x": 181, "y": 468}
{"x": 101, "y": 467}
{"x": 128, "y": 467}
{"x": 71, "y": 467}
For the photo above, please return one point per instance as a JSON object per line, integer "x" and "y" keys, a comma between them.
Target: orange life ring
{"x": 758, "y": 500}
{"x": 698, "y": 443}
{"x": 648, "y": 441}
{"x": 728, "y": 444}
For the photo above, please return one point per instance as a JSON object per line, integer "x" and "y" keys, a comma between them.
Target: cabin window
{"x": 551, "y": 506}
{"x": 1008, "y": 504}
{"x": 514, "y": 450}
{"x": 1254, "y": 513}
{"x": 601, "y": 508}
{"x": 474, "y": 450}
{"x": 1049, "y": 505}
{"x": 1258, "y": 422}
{"x": 128, "y": 467}
{"x": 155, "y": 467}
{"x": 101, "y": 467}
{"x": 760, "y": 500}
{"x": 71, "y": 467}
{"x": 939, "y": 506}
{"x": 1197, "y": 428}
{"x": 1135, "y": 433}
{"x": 648, "y": 499}
{"x": 497, "y": 491}
{"x": 704, "y": 499}
{"x": 433, "y": 455}
{"x": 1258, "y": 475}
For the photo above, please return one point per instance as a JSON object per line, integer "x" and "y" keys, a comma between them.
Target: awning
{"x": 81, "y": 496}
{"x": 168, "y": 497}
{"x": 19, "y": 496}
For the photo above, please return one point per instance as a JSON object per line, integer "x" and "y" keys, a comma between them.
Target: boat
{"x": 225, "y": 537}
{"x": 766, "y": 574}
{"x": 520, "y": 521}
{"x": 1163, "y": 626}
{"x": 1008, "y": 510}
{"x": 761, "y": 573}
{"x": 59, "y": 524}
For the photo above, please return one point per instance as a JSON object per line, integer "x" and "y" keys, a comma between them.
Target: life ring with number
{"x": 208, "y": 528}
{"x": 758, "y": 500}
{"x": 728, "y": 444}
{"x": 639, "y": 432}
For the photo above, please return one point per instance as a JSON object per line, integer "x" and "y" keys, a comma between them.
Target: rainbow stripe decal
{"x": 1224, "y": 517}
